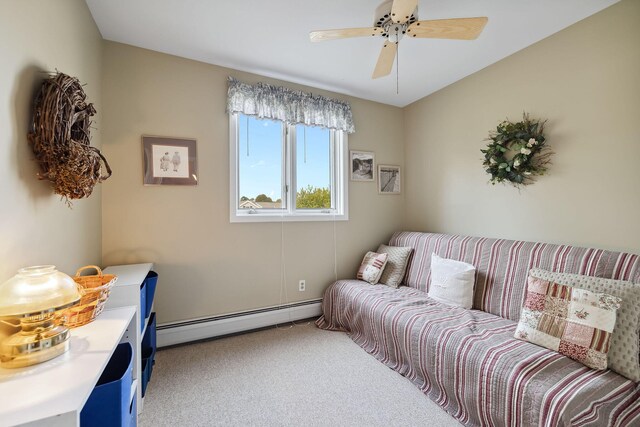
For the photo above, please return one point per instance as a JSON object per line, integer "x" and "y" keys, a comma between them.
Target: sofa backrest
{"x": 502, "y": 265}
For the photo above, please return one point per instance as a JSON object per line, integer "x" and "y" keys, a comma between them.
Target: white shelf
{"x": 146, "y": 323}
{"x": 126, "y": 292}
{"x": 134, "y": 387}
{"x": 131, "y": 274}
{"x": 58, "y": 389}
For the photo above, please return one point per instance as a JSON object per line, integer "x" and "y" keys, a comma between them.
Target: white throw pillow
{"x": 452, "y": 281}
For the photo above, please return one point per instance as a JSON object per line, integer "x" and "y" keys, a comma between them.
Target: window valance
{"x": 279, "y": 103}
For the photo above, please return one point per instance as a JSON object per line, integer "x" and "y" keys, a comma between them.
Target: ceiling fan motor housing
{"x": 391, "y": 30}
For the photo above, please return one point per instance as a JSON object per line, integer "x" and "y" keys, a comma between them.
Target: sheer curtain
{"x": 279, "y": 103}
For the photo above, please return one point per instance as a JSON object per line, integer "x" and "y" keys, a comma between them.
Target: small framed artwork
{"x": 362, "y": 165}
{"x": 169, "y": 161}
{"x": 389, "y": 179}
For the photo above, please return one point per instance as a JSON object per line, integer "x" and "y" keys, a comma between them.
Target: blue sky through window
{"x": 261, "y": 162}
{"x": 314, "y": 167}
{"x": 260, "y": 157}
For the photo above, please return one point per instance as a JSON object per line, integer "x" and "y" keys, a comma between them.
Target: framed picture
{"x": 389, "y": 179}
{"x": 362, "y": 165}
{"x": 169, "y": 161}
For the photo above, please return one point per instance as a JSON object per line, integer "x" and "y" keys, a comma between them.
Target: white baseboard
{"x": 183, "y": 332}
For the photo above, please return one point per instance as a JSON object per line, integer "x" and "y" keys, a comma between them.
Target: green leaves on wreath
{"x": 531, "y": 155}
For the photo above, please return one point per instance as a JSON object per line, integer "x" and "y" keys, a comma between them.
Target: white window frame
{"x": 289, "y": 213}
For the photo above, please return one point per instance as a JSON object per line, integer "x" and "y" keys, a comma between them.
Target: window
{"x": 261, "y": 180}
{"x": 313, "y": 167}
{"x": 289, "y": 172}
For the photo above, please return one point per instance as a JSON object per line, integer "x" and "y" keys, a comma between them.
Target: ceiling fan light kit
{"x": 395, "y": 18}
{"x": 393, "y": 28}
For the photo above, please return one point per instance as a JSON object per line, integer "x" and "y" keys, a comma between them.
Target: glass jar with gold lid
{"x": 29, "y": 301}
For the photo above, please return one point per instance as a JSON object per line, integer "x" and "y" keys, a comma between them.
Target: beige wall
{"x": 583, "y": 79}
{"x": 207, "y": 265}
{"x": 586, "y": 81}
{"x": 36, "y": 226}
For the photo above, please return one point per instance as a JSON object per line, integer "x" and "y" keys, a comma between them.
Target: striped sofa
{"x": 467, "y": 361}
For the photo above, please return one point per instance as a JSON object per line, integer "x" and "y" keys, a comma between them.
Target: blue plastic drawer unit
{"x": 110, "y": 402}
{"x": 151, "y": 283}
{"x": 143, "y": 303}
{"x": 133, "y": 413}
{"x": 148, "y": 352}
{"x": 148, "y": 360}
{"x": 149, "y": 339}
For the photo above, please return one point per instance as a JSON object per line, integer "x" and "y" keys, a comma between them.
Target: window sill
{"x": 276, "y": 217}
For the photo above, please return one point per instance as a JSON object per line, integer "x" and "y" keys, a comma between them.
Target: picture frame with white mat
{"x": 362, "y": 165}
{"x": 389, "y": 179}
{"x": 169, "y": 161}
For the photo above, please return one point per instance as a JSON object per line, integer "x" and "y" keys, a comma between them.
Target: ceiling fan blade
{"x": 385, "y": 60}
{"x": 459, "y": 28}
{"x": 401, "y": 10}
{"x": 322, "y": 35}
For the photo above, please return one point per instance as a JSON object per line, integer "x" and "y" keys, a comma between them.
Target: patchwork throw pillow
{"x": 452, "y": 281}
{"x": 396, "y": 264}
{"x": 623, "y": 356}
{"x": 572, "y": 321}
{"x": 372, "y": 266}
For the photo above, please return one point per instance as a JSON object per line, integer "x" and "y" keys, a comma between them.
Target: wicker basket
{"x": 95, "y": 291}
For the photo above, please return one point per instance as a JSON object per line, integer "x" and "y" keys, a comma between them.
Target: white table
{"x": 54, "y": 392}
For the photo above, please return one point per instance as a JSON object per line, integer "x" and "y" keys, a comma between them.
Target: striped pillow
{"x": 371, "y": 268}
{"x": 572, "y": 321}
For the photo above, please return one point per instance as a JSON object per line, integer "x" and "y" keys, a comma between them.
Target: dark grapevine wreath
{"x": 517, "y": 152}
{"x": 61, "y": 138}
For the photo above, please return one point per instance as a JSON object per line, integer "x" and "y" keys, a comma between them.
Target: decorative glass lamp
{"x": 29, "y": 301}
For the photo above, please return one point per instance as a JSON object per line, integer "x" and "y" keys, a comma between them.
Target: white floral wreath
{"x": 517, "y": 152}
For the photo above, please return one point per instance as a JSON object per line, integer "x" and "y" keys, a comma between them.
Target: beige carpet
{"x": 299, "y": 376}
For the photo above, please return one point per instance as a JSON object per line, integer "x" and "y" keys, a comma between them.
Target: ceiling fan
{"x": 394, "y": 19}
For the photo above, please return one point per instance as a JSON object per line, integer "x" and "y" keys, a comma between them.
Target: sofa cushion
{"x": 468, "y": 361}
{"x": 371, "y": 267}
{"x": 624, "y": 350}
{"x": 503, "y": 265}
{"x": 396, "y": 264}
{"x": 572, "y": 321}
{"x": 452, "y": 281}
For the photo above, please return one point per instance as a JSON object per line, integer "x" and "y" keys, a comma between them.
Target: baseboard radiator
{"x": 210, "y": 327}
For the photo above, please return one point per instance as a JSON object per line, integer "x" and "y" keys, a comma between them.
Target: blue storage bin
{"x": 149, "y": 338}
{"x": 109, "y": 403}
{"x": 148, "y": 349}
{"x": 148, "y": 360}
{"x": 151, "y": 282}
{"x": 133, "y": 413}
{"x": 143, "y": 304}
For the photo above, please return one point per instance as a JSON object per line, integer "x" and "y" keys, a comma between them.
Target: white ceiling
{"x": 271, "y": 38}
